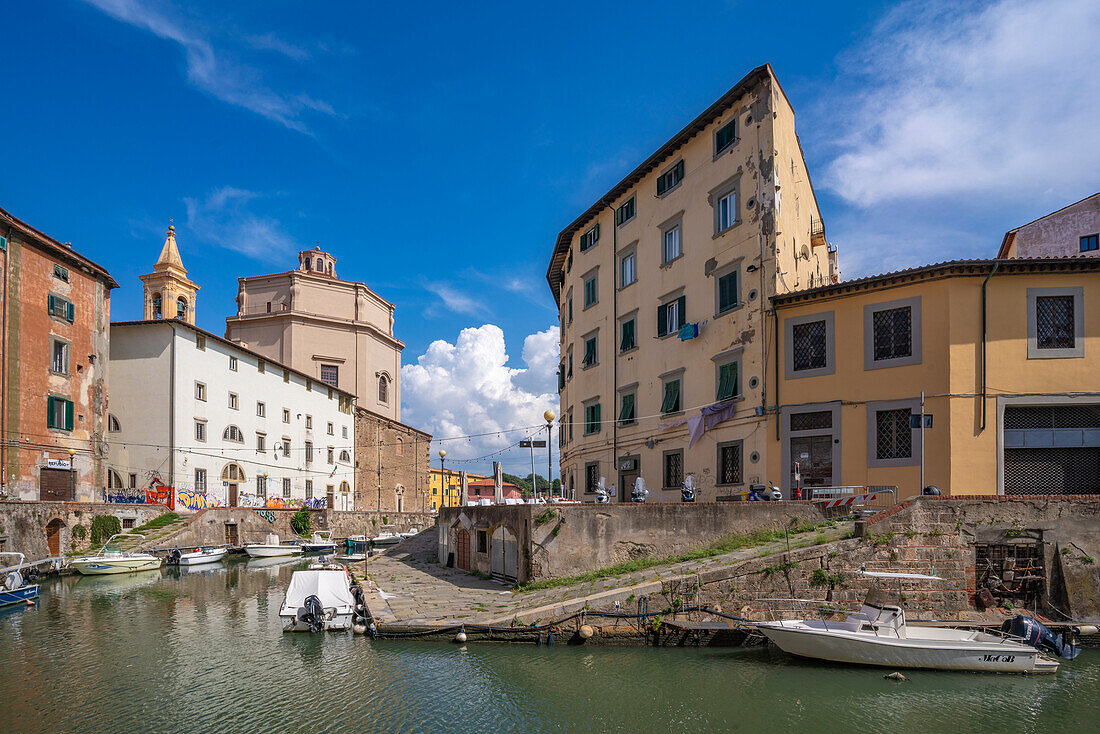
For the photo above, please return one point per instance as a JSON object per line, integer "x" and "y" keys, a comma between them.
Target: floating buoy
{"x": 460, "y": 637}
{"x": 586, "y": 631}
{"x": 359, "y": 629}
{"x": 30, "y": 602}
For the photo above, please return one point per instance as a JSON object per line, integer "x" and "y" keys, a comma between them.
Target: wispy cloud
{"x": 271, "y": 42}
{"x": 215, "y": 71}
{"x": 455, "y": 300}
{"x": 993, "y": 98}
{"x": 223, "y": 219}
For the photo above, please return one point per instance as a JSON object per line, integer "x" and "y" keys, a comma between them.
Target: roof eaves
{"x": 59, "y": 248}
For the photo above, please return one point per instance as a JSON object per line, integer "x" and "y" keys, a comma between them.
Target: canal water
{"x": 168, "y": 651}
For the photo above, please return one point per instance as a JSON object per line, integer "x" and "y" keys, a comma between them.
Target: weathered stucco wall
{"x": 25, "y": 526}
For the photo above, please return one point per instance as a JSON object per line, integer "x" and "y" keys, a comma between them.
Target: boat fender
{"x": 895, "y": 676}
{"x": 1086, "y": 629}
{"x": 359, "y": 629}
{"x": 31, "y": 603}
{"x": 460, "y": 637}
{"x": 586, "y": 631}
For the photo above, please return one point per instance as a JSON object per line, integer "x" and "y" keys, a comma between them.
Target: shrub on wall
{"x": 300, "y": 522}
{"x": 103, "y": 527}
{"x": 80, "y": 532}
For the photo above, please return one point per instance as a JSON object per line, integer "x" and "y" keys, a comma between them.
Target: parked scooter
{"x": 602, "y": 495}
{"x": 687, "y": 492}
{"x": 639, "y": 493}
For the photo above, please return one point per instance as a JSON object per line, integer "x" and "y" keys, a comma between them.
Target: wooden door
{"x": 462, "y": 557}
{"x": 231, "y": 536}
{"x": 53, "y": 537}
{"x": 330, "y": 497}
{"x": 814, "y": 455}
{"x": 626, "y": 484}
{"x": 55, "y": 485}
{"x": 232, "y": 495}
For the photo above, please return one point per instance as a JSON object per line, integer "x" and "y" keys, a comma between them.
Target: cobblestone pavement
{"x": 410, "y": 588}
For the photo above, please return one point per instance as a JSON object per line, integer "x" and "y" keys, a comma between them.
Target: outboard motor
{"x": 687, "y": 492}
{"x": 174, "y": 557}
{"x": 602, "y": 495}
{"x": 1035, "y": 633}
{"x": 313, "y": 614}
{"x": 31, "y": 575}
{"x": 638, "y": 494}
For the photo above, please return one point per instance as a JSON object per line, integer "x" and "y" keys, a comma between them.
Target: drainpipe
{"x": 775, "y": 371}
{"x": 614, "y": 348}
{"x": 996, "y": 264}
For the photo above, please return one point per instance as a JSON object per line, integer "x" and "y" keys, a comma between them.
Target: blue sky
{"x": 437, "y": 149}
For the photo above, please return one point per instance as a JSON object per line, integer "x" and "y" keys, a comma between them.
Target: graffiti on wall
{"x": 195, "y": 501}
{"x": 245, "y": 499}
{"x": 267, "y": 515}
{"x": 153, "y": 496}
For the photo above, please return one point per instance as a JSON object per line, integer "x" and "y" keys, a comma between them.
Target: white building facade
{"x": 223, "y": 425}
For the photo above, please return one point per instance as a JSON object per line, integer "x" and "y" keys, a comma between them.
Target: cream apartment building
{"x": 663, "y": 286}
{"x": 337, "y": 331}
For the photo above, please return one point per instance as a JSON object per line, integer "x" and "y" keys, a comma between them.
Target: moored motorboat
{"x": 411, "y": 532}
{"x": 115, "y": 560}
{"x": 320, "y": 542}
{"x": 388, "y": 536}
{"x": 271, "y": 548}
{"x": 323, "y": 597}
{"x": 878, "y": 635}
{"x": 16, "y": 586}
{"x": 196, "y": 556}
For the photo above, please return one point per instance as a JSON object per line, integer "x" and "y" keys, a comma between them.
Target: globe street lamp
{"x": 549, "y": 416}
{"x": 442, "y": 479}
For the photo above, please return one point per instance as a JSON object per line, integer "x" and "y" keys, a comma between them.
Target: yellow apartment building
{"x": 452, "y": 497}
{"x": 1005, "y": 352}
{"x": 663, "y": 288}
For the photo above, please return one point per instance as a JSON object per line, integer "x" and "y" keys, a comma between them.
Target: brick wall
{"x": 391, "y": 464}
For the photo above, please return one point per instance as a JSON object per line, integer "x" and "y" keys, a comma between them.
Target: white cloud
{"x": 271, "y": 42}
{"x": 213, "y": 70}
{"x": 468, "y": 388}
{"x": 455, "y": 300}
{"x": 222, "y": 218}
{"x": 998, "y": 99}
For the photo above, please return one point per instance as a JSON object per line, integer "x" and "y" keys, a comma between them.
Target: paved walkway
{"x": 411, "y": 589}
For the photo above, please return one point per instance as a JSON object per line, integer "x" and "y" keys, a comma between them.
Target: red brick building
{"x": 55, "y": 310}
{"x": 483, "y": 489}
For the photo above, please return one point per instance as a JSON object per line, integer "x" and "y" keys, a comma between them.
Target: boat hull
{"x": 102, "y": 566}
{"x": 19, "y": 596}
{"x": 859, "y": 649}
{"x": 202, "y": 558}
{"x": 318, "y": 547}
{"x": 272, "y": 551}
{"x": 337, "y": 622}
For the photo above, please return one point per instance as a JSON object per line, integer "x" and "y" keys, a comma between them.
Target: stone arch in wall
{"x": 54, "y": 536}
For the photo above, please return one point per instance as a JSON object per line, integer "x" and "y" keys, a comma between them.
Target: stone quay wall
{"x": 26, "y": 527}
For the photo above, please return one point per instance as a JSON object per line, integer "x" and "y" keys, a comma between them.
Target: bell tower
{"x": 168, "y": 292}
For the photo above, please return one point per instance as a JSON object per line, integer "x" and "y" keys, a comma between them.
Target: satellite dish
{"x": 804, "y": 252}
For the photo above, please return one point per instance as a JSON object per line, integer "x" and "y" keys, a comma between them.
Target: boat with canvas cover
{"x": 320, "y": 598}
{"x": 16, "y": 586}
{"x": 114, "y": 560}
{"x": 878, "y": 635}
{"x": 271, "y": 548}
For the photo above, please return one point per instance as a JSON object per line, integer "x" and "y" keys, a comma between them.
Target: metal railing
{"x": 856, "y": 500}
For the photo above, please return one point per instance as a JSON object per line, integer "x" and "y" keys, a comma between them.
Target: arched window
{"x": 344, "y": 487}
{"x": 345, "y": 456}
{"x": 233, "y": 473}
{"x": 330, "y": 268}
{"x": 114, "y": 481}
{"x": 181, "y": 307}
{"x": 383, "y": 389}
{"x": 157, "y": 312}
{"x": 112, "y": 424}
{"x": 232, "y": 433}
{"x": 307, "y": 264}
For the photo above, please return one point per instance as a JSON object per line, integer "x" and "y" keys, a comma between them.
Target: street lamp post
{"x": 72, "y": 475}
{"x": 549, "y": 416}
{"x": 442, "y": 478}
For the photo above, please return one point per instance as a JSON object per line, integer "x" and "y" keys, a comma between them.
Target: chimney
{"x": 498, "y": 483}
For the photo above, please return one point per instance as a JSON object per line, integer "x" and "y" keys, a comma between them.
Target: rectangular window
{"x": 1090, "y": 242}
{"x": 589, "y": 352}
{"x": 1054, "y": 322}
{"x": 729, "y": 463}
{"x": 60, "y": 273}
{"x": 286, "y": 487}
{"x": 627, "y": 340}
{"x": 591, "y": 418}
{"x": 626, "y": 410}
{"x": 591, "y": 291}
{"x": 725, "y": 136}
{"x": 344, "y": 431}
{"x": 200, "y": 430}
{"x": 233, "y": 363}
{"x": 671, "y": 316}
{"x": 625, "y": 212}
{"x": 309, "y": 422}
{"x": 674, "y": 469}
{"x": 816, "y": 421}
{"x": 728, "y": 386}
{"x": 261, "y": 410}
{"x": 59, "y": 413}
{"x": 59, "y": 356}
{"x": 286, "y": 446}
{"x": 232, "y": 401}
{"x": 727, "y": 292}
{"x": 261, "y": 442}
{"x": 569, "y": 361}
{"x": 569, "y": 299}
{"x": 286, "y": 416}
{"x": 200, "y": 342}
{"x": 200, "y": 480}
{"x": 670, "y": 179}
{"x": 893, "y": 436}
{"x": 561, "y": 376}
{"x": 309, "y": 451}
{"x": 309, "y": 489}
{"x": 331, "y": 460}
{"x": 893, "y": 333}
{"x": 808, "y": 345}
{"x": 628, "y": 271}
{"x": 260, "y": 365}
{"x": 61, "y": 308}
{"x": 591, "y": 477}
{"x": 330, "y": 375}
{"x": 671, "y": 247}
{"x": 590, "y": 238}
{"x": 331, "y": 429}
{"x": 261, "y": 485}
{"x": 726, "y": 211}
{"x": 133, "y": 481}
{"x": 200, "y": 391}
{"x": 671, "y": 402}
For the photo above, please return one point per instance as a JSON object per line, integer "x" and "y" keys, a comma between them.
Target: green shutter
{"x": 672, "y": 397}
{"x": 70, "y": 312}
{"x": 68, "y": 415}
{"x": 727, "y": 381}
{"x": 50, "y": 304}
{"x": 727, "y": 291}
{"x": 681, "y": 311}
{"x": 680, "y": 171}
{"x": 661, "y": 321}
{"x": 596, "y": 233}
{"x": 596, "y": 413}
{"x": 49, "y": 410}
{"x": 626, "y": 414}
{"x": 627, "y": 341}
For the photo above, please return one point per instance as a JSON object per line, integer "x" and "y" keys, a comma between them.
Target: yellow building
{"x": 1005, "y": 352}
{"x": 453, "y": 496}
{"x": 662, "y": 287}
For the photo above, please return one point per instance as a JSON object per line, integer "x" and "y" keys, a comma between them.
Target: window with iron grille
{"x": 674, "y": 469}
{"x": 591, "y": 476}
{"x": 893, "y": 333}
{"x": 808, "y": 345}
{"x": 286, "y": 487}
{"x": 309, "y": 489}
{"x": 817, "y": 420}
{"x": 729, "y": 463}
{"x": 330, "y": 374}
{"x": 893, "y": 437}
{"x": 1054, "y": 323}
{"x": 1052, "y": 470}
{"x": 1052, "y": 416}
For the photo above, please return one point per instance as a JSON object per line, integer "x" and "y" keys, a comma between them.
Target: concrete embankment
{"x": 44, "y": 529}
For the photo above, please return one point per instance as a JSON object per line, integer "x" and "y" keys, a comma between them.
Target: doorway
{"x": 814, "y": 456}
{"x": 232, "y": 538}
{"x": 56, "y": 485}
{"x": 53, "y": 537}
{"x": 232, "y": 495}
{"x": 330, "y": 497}
{"x": 462, "y": 546}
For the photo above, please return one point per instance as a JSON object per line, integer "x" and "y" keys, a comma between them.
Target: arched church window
{"x": 157, "y": 313}
{"x": 181, "y": 307}
{"x": 383, "y": 389}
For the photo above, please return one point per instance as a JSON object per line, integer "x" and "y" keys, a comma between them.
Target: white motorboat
{"x": 17, "y": 587}
{"x": 878, "y": 635}
{"x": 388, "y": 536}
{"x": 413, "y": 531}
{"x": 318, "y": 599}
{"x": 114, "y": 560}
{"x": 321, "y": 542}
{"x": 196, "y": 556}
{"x": 271, "y": 548}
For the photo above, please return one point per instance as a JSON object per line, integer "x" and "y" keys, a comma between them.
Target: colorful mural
{"x": 267, "y": 515}
{"x": 153, "y": 496}
{"x": 195, "y": 501}
{"x": 294, "y": 503}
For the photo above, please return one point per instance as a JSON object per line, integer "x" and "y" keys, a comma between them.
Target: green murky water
{"x": 203, "y": 652}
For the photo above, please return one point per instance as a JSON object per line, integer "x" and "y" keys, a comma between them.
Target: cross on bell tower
{"x": 169, "y": 294}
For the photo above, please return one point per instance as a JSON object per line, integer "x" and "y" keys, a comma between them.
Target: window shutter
{"x": 672, "y": 392}
{"x": 68, "y": 415}
{"x": 660, "y": 185}
{"x": 49, "y": 410}
{"x": 70, "y": 312}
{"x": 681, "y": 310}
{"x": 626, "y": 415}
{"x": 50, "y": 304}
{"x": 662, "y": 325}
{"x": 727, "y": 381}
{"x": 680, "y": 170}
{"x": 596, "y": 416}
{"x": 596, "y": 233}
